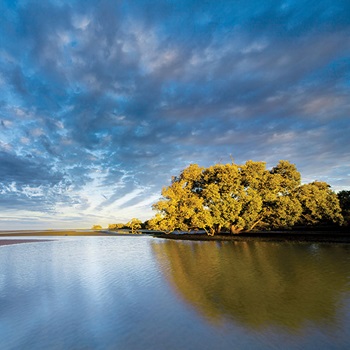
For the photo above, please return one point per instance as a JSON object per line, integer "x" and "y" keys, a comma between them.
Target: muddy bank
{"x": 28, "y": 233}
{"x": 280, "y": 236}
{"x": 18, "y": 241}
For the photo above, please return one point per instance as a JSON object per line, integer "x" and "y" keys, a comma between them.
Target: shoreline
{"x": 336, "y": 236}
{"x": 261, "y": 236}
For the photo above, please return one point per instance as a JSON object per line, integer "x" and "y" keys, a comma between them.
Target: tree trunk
{"x": 234, "y": 230}
{"x": 255, "y": 223}
{"x": 218, "y": 229}
{"x": 214, "y": 230}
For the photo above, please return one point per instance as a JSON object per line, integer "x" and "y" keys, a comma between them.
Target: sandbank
{"x": 28, "y": 233}
{"x": 18, "y": 241}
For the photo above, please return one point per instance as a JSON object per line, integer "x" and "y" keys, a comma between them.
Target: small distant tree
{"x": 134, "y": 224}
{"x": 96, "y": 227}
{"x": 116, "y": 226}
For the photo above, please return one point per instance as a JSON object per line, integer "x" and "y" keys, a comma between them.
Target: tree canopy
{"x": 235, "y": 198}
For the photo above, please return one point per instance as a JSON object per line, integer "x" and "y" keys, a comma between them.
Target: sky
{"x": 101, "y": 102}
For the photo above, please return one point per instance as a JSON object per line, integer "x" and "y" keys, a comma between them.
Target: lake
{"x": 148, "y": 293}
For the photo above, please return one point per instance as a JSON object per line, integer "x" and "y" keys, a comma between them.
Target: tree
{"x": 116, "y": 226}
{"x": 229, "y": 197}
{"x": 235, "y": 198}
{"x": 181, "y": 208}
{"x": 289, "y": 175}
{"x": 134, "y": 224}
{"x": 268, "y": 201}
{"x": 221, "y": 190}
{"x": 96, "y": 227}
{"x": 319, "y": 204}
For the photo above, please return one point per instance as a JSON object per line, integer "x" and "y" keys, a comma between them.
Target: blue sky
{"x": 101, "y": 102}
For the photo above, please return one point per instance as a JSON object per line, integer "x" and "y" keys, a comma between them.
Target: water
{"x": 145, "y": 293}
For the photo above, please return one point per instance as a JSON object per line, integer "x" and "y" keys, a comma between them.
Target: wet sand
{"x": 12, "y": 235}
{"x": 58, "y": 233}
{"x": 18, "y": 241}
{"x": 28, "y": 233}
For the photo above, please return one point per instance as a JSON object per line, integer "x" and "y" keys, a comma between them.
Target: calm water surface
{"x": 145, "y": 293}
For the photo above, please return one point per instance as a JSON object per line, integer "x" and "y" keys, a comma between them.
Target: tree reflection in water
{"x": 259, "y": 284}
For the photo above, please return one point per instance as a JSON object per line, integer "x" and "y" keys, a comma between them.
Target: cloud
{"x": 26, "y": 171}
{"x": 101, "y": 103}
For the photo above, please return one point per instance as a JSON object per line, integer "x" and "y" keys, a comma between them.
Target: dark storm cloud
{"x": 113, "y": 98}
